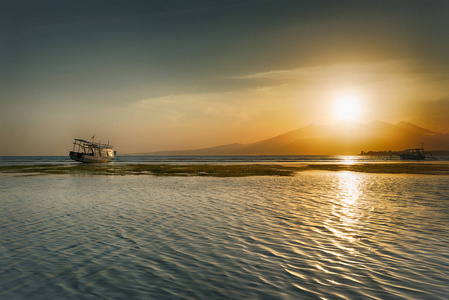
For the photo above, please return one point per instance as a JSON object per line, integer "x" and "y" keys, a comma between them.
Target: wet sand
{"x": 240, "y": 170}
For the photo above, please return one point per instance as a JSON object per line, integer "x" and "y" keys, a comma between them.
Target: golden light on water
{"x": 349, "y": 159}
{"x": 349, "y": 188}
{"x": 345, "y": 207}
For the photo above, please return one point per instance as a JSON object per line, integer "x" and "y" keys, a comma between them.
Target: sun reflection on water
{"x": 349, "y": 185}
{"x": 349, "y": 159}
{"x": 345, "y": 211}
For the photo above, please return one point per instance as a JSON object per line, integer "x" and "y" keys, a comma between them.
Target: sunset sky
{"x": 177, "y": 74}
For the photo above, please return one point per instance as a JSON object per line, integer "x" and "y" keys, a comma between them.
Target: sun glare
{"x": 347, "y": 106}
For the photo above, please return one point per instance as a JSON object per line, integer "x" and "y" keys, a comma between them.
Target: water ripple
{"x": 317, "y": 235}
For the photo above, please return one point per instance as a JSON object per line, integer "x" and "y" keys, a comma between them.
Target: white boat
{"x": 91, "y": 152}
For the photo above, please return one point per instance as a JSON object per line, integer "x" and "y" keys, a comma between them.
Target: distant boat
{"x": 413, "y": 154}
{"x": 91, "y": 152}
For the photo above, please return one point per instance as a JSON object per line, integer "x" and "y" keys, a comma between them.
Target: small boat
{"x": 413, "y": 154}
{"x": 91, "y": 152}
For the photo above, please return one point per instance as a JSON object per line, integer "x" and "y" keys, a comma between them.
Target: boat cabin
{"x": 85, "y": 151}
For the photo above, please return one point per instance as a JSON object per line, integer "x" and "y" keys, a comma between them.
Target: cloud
{"x": 296, "y": 97}
{"x": 370, "y": 70}
{"x": 392, "y": 80}
{"x": 193, "y": 107}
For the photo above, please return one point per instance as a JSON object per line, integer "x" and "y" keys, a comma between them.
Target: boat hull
{"x": 411, "y": 157}
{"x": 85, "y": 158}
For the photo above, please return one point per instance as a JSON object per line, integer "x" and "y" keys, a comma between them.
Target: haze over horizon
{"x": 166, "y": 75}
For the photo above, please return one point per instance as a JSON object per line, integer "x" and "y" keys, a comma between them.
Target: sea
{"x": 315, "y": 235}
{"x": 222, "y": 159}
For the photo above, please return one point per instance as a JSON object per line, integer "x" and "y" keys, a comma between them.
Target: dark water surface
{"x": 231, "y": 159}
{"x": 317, "y": 235}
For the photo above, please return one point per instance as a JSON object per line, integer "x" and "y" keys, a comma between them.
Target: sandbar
{"x": 226, "y": 170}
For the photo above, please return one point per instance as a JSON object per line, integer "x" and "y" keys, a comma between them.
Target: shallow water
{"x": 222, "y": 159}
{"x": 337, "y": 235}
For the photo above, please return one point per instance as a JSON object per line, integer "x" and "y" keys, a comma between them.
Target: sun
{"x": 348, "y": 106}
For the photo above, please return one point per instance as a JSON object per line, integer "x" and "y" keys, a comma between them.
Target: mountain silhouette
{"x": 342, "y": 138}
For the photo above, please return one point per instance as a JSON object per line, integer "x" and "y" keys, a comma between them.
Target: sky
{"x": 175, "y": 74}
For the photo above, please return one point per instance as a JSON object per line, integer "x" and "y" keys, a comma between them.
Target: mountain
{"x": 342, "y": 138}
{"x": 413, "y": 127}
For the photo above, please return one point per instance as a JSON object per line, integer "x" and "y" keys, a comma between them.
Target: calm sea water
{"x": 328, "y": 235}
{"x": 233, "y": 159}
{"x": 21, "y": 160}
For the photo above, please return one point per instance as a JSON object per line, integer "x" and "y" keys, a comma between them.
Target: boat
{"x": 91, "y": 152}
{"x": 413, "y": 154}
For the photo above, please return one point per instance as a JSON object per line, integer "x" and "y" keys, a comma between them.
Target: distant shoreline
{"x": 228, "y": 170}
{"x": 390, "y": 152}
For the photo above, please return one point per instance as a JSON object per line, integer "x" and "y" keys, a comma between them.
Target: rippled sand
{"x": 333, "y": 235}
